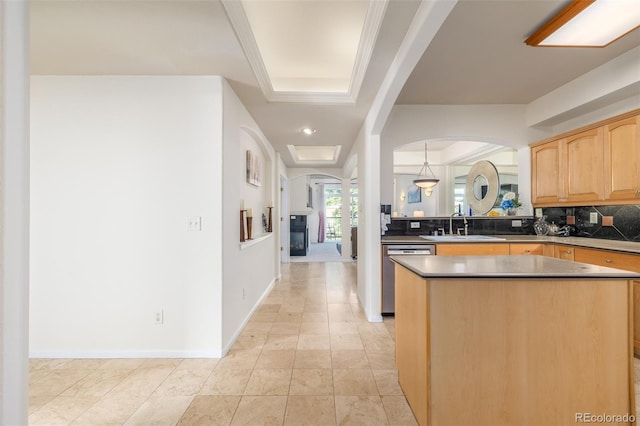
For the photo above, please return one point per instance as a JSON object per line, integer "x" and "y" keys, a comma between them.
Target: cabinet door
{"x": 636, "y": 318}
{"x": 563, "y": 252}
{"x": 545, "y": 169}
{"x": 582, "y": 167}
{"x": 525, "y": 248}
{"x": 622, "y": 159}
{"x": 472, "y": 249}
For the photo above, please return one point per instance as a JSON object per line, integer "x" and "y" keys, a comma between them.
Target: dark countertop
{"x": 614, "y": 245}
{"x": 501, "y": 267}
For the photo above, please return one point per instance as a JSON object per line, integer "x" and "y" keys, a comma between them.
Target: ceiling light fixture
{"x": 308, "y": 131}
{"x": 588, "y": 23}
{"x": 427, "y": 182}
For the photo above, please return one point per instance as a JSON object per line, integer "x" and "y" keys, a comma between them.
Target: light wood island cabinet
{"x": 530, "y": 359}
{"x": 526, "y": 249}
{"x": 471, "y": 249}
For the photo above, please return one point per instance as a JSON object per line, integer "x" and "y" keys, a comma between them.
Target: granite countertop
{"x": 475, "y": 267}
{"x": 614, "y": 245}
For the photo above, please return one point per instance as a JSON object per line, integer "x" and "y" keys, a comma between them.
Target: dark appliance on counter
{"x": 388, "y": 270}
{"x": 298, "y": 235}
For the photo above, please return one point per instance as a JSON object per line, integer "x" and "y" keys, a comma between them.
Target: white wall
{"x": 118, "y": 164}
{"x": 249, "y": 269}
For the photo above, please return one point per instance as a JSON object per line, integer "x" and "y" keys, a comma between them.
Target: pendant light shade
{"x": 427, "y": 180}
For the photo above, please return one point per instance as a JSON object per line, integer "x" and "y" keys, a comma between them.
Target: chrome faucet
{"x": 466, "y": 223}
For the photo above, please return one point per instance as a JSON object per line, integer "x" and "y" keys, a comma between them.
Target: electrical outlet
{"x": 194, "y": 223}
{"x": 516, "y": 223}
{"x": 158, "y": 317}
{"x": 593, "y": 217}
{"x": 538, "y": 212}
{"x": 415, "y": 225}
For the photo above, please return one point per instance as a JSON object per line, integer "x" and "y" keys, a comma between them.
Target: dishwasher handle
{"x": 392, "y": 252}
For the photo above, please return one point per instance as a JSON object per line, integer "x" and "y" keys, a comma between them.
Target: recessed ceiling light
{"x": 308, "y": 131}
{"x": 588, "y": 23}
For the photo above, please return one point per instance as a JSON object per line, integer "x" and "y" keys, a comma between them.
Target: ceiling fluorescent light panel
{"x": 588, "y": 23}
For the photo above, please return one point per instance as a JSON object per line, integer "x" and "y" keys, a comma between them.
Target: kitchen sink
{"x": 461, "y": 238}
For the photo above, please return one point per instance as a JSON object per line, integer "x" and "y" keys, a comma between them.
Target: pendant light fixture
{"x": 426, "y": 181}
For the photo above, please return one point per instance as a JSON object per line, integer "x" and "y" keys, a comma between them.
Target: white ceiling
{"x": 477, "y": 57}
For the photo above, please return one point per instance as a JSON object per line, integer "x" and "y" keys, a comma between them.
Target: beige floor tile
{"x": 270, "y": 308}
{"x": 122, "y": 364}
{"x": 310, "y": 410}
{"x": 308, "y": 381}
{"x": 269, "y": 382}
{"x": 199, "y": 364}
{"x": 314, "y": 328}
{"x": 264, "y": 317}
{"x": 47, "y": 363}
{"x": 313, "y": 342}
{"x": 294, "y": 317}
{"x": 98, "y": 383}
{"x": 257, "y": 328}
{"x": 285, "y": 328}
{"x": 142, "y": 381}
{"x": 226, "y": 382}
{"x": 381, "y": 360}
{"x": 249, "y": 341}
{"x": 182, "y": 382}
{"x": 349, "y": 359}
{"x": 379, "y": 344}
{"x": 313, "y": 359}
{"x": 315, "y": 317}
{"x": 276, "y": 359}
{"x": 57, "y": 382}
{"x": 260, "y": 410}
{"x": 281, "y": 342}
{"x": 37, "y": 402}
{"x": 354, "y": 382}
{"x": 210, "y": 410}
{"x": 398, "y": 411}
{"x": 38, "y": 374}
{"x": 160, "y": 411}
{"x": 242, "y": 359}
{"x": 83, "y": 364}
{"x": 62, "y": 410}
{"x": 316, "y": 307}
{"x": 343, "y": 328}
{"x": 346, "y": 342}
{"x": 111, "y": 410}
{"x": 387, "y": 382}
{"x": 360, "y": 411}
{"x": 161, "y": 363}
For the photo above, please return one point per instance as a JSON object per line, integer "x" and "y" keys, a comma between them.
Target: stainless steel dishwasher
{"x": 388, "y": 269}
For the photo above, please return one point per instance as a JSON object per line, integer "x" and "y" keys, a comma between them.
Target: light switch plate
{"x": 415, "y": 225}
{"x": 538, "y": 212}
{"x": 593, "y": 217}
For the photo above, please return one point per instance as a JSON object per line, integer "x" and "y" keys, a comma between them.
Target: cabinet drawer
{"x": 472, "y": 249}
{"x": 628, "y": 262}
{"x": 525, "y": 248}
{"x": 564, "y": 252}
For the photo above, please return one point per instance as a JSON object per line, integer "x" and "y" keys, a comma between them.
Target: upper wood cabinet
{"x": 569, "y": 169}
{"x": 622, "y": 159}
{"x": 598, "y": 164}
{"x": 545, "y": 173}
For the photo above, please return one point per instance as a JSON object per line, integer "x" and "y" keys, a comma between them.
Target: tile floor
{"x": 308, "y": 356}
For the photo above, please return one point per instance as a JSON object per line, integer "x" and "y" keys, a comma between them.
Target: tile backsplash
{"x": 613, "y": 222}
{"x": 503, "y": 225}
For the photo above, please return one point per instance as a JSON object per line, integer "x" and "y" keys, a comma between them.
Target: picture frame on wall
{"x": 414, "y": 195}
{"x": 253, "y": 168}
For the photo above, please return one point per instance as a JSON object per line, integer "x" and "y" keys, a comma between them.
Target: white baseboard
{"x": 264, "y": 295}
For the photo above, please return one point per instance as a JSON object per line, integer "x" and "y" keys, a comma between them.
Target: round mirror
{"x": 482, "y": 187}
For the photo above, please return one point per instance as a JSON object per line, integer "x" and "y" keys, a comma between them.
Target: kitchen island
{"x": 513, "y": 340}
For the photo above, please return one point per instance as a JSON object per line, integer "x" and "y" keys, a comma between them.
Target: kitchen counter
{"x": 595, "y": 243}
{"x": 513, "y": 340}
{"x": 472, "y": 267}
